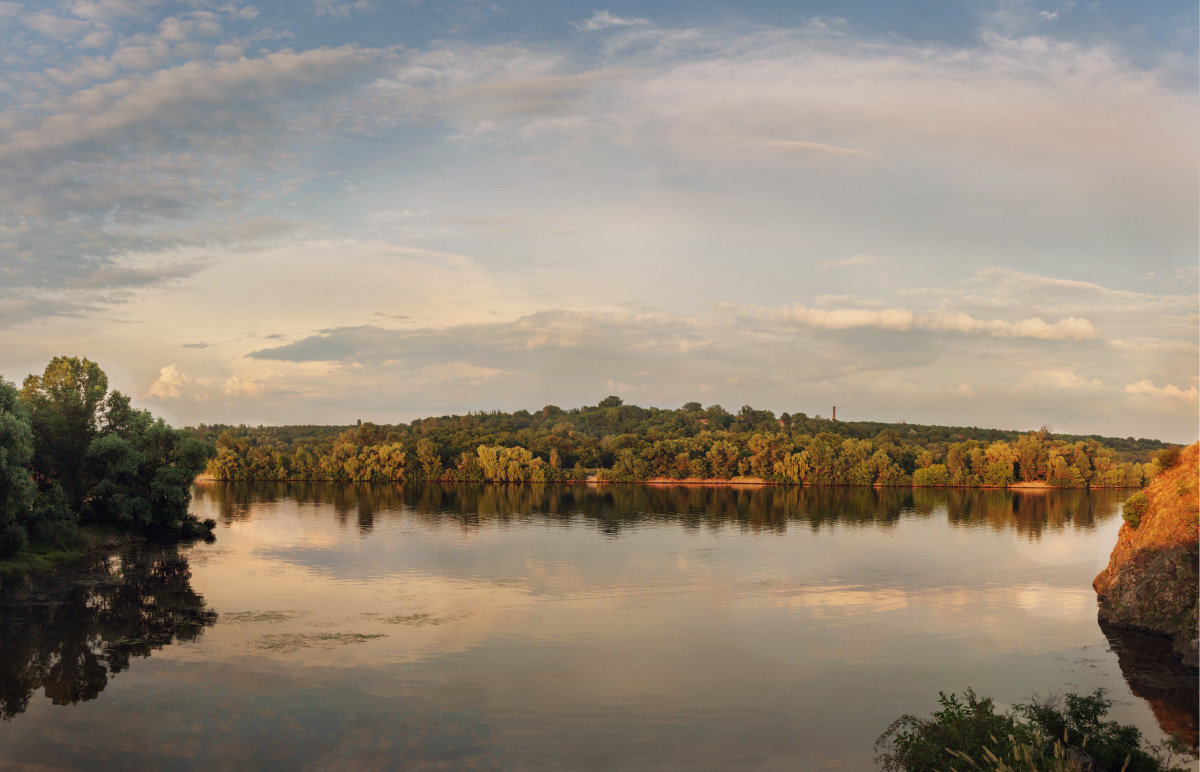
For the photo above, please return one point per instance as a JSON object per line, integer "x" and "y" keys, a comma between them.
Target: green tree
{"x": 934, "y": 475}
{"x": 17, "y": 490}
{"x": 722, "y": 459}
{"x": 97, "y": 459}
{"x": 429, "y": 459}
{"x": 64, "y": 404}
{"x": 140, "y": 472}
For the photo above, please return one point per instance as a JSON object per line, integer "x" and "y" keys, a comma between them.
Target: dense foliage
{"x": 1050, "y": 734}
{"x": 73, "y": 453}
{"x": 625, "y": 443}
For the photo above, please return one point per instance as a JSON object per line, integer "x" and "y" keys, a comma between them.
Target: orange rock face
{"x": 1151, "y": 579}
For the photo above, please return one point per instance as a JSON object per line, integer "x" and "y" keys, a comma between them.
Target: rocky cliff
{"x": 1151, "y": 580}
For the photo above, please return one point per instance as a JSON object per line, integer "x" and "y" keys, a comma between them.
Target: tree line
{"x": 615, "y": 442}
{"x": 73, "y": 453}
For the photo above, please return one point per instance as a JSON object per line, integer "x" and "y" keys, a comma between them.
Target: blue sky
{"x": 313, "y": 212}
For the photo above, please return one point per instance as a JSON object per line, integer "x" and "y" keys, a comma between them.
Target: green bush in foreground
{"x": 1051, "y": 734}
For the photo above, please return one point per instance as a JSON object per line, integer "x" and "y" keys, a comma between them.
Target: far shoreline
{"x": 690, "y": 482}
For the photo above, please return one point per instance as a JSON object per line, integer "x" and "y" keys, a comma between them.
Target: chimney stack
{"x": 835, "y": 412}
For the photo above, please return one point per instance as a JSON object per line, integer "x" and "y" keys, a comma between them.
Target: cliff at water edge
{"x": 1151, "y": 579}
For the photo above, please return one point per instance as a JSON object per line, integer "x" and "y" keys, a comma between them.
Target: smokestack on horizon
{"x": 835, "y": 412}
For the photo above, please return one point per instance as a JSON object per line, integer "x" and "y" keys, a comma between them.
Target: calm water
{"x": 564, "y": 627}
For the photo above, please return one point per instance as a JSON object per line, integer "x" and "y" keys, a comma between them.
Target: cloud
{"x": 196, "y": 98}
{"x": 1147, "y": 388}
{"x": 729, "y": 356}
{"x": 343, "y": 10}
{"x": 53, "y": 26}
{"x": 801, "y": 146}
{"x": 97, "y": 180}
{"x": 901, "y": 319}
{"x": 171, "y": 380}
{"x": 1057, "y": 379}
{"x": 458, "y": 370}
{"x": 244, "y": 386}
{"x": 201, "y": 157}
{"x": 855, "y": 261}
{"x": 605, "y": 20}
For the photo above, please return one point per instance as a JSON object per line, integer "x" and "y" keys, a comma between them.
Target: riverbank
{"x": 745, "y": 481}
{"x": 1150, "y": 582}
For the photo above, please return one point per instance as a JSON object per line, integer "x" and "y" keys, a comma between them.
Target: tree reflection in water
{"x": 68, "y": 631}
{"x": 614, "y": 508}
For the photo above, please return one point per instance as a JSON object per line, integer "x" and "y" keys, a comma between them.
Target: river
{"x": 564, "y": 627}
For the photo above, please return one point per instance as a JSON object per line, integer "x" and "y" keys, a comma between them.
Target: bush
{"x": 959, "y": 736}
{"x": 1134, "y": 507}
{"x": 931, "y": 476}
{"x": 1051, "y": 734}
{"x": 1167, "y": 457}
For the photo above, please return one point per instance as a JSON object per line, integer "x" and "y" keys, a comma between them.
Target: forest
{"x": 75, "y": 455}
{"x": 615, "y": 442}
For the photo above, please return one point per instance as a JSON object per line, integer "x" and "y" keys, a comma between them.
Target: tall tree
{"x": 63, "y": 403}
{"x": 16, "y": 486}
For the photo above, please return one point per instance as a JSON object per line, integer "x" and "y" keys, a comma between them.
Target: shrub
{"x": 1134, "y": 507}
{"x": 1167, "y": 457}
{"x": 1050, "y": 734}
{"x": 931, "y": 476}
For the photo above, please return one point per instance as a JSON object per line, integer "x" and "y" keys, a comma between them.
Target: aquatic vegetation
{"x": 259, "y": 617}
{"x": 417, "y": 620}
{"x": 289, "y": 642}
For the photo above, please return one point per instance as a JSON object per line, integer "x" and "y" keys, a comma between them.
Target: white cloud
{"x": 57, "y": 27}
{"x": 246, "y": 386}
{"x": 1057, "y": 379}
{"x": 184, "y": 98}
{"x": 342, "y": 10}
{"x": 901, "y": 319}
{"x": 855, "y": 261}
{"x": 605, "y": 20}
{"x": 109, "y": 11}
{"x": 1147, "y": 388}
{"x": 171, "y": 380}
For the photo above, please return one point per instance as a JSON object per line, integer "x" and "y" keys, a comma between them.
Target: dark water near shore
{"x": 552, "y": 627}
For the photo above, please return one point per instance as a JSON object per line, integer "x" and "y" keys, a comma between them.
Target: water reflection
{"x": 614, "y": 508}
{"x": 67, "y": 632}
{"x": 1156, "y": 675}
{"x": 482, "y": 625}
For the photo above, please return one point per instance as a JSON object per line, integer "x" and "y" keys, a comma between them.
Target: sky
{"x": 319, "y": 211}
